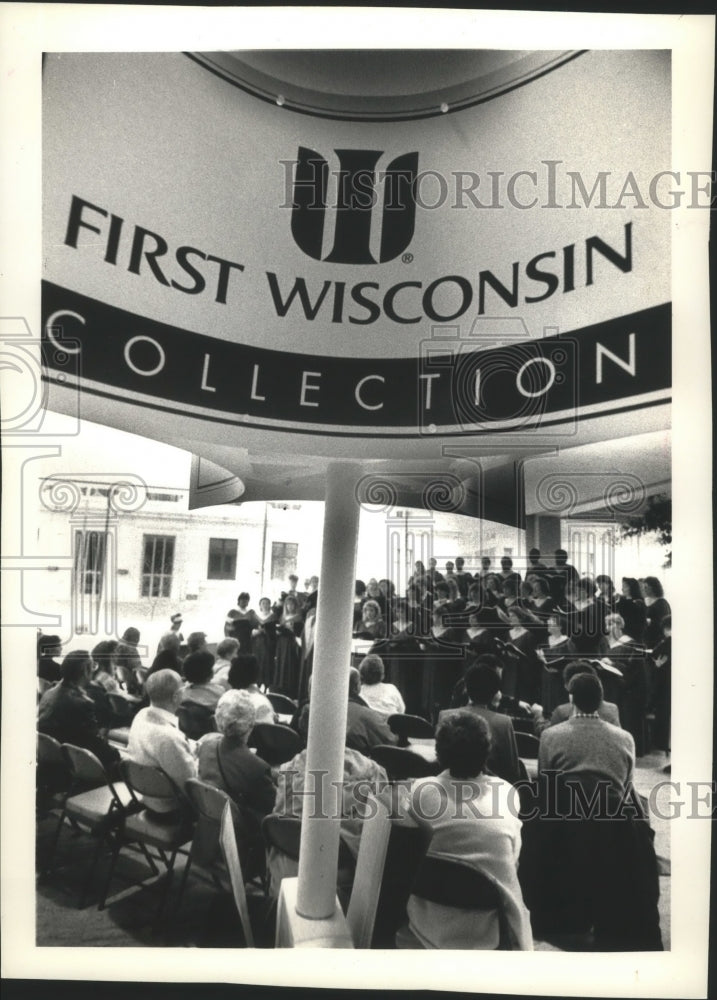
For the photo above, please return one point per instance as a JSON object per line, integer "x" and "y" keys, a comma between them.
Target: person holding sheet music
{"x": 656, "y": 608}
{"x": 444, "y": 663}
{"x": 631, "y": 607}
{"x": 553, "y": 654}
{"x": 521, "y": 677}
{"x": 629, "y": 658}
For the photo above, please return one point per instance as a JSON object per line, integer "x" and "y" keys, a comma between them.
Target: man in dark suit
{"x": 483, "y": 689}
{"x": 67, "y": 713}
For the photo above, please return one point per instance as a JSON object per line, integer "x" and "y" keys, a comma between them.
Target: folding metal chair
{"x": 209, "y": 804}
{"x": 231, "y": 857}
{"x": 166, "y": 832}
{"x": 53, "y": 775}
{"x": 95, "y": 805}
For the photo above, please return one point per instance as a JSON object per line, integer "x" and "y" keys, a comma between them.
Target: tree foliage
{"x": 655, "y": 518}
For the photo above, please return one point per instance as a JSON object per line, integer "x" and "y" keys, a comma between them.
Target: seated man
{"x": 473, "y": 821}
{"x": 585, "y": 742}
{"x": 155, "y": 738}
{"x": 67, "y": 713}
{"x": 484, "y": 694}
{"x": 607, "y": 711}
{"x": 365, "y": 728}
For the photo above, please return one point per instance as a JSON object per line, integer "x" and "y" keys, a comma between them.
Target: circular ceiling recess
{"x": 380, "y": 84}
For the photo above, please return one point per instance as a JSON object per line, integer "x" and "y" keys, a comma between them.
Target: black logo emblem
{"x": 359, "y": 192}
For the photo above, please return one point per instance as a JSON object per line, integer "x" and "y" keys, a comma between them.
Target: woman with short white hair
{"x": 226, "y": 762}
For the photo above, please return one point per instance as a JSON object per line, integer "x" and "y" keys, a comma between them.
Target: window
{"x": 284, "y": 556}
{"x": 222, "y": 559}
{"x": 89, "y": 561}
{"x": 157, "y": 565}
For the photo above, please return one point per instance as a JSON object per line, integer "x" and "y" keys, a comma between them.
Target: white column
{"x": 318, "y": 861}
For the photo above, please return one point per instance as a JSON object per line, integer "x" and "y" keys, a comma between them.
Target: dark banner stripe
{"x": 466, "y": 382}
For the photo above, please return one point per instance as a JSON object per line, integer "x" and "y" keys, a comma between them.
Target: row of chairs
{"x": 218, "y": 840}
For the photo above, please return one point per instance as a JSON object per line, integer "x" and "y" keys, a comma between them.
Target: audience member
{"x": 484, "y": 694}
{"x": 384, "y": 699}
{"x": 48, "y": 647}
{"x": 227, "y": 649}
{"x": 155, "y": 738}
{"x": 67, "y": 713}
{"x": 103, "y": 655}
{"x": 199, "y": 688}
{"x": 225, "y": 761}
{"x": 607, "y": 710}
{"x": 175, "y": 632}
{"x": 128, "y": 665}
{"x": 585, "y": 742}
{"x": 474, "y": 820}
{"x": 365, "y": 728}
{"x": 244, "y": 676}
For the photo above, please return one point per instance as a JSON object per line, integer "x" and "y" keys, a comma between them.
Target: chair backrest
{"x": 87, "y": 770}
{"x": 209, "y": 804}
{"x": 408, "y": 843}
{"x": 144, "y": 779}
{"x": 49, "y": 750}
{"x": 53, "y": 770}
{"x": 123, "y": 710}
{"x": 282, "y": 704}
{"x": 523, "y": 725}
{"x": 361, "y": 913}
{"x": 284, "y": 833}
{"x": 274, "y": 742}
{"x": 528, "y": 745}
{"x": 455, "y": 883}
{"x": 195, "y": 720}
{"x": 400, "y": 763}
{"x": 408, "y": 727}
{"x": 227, "y": 840}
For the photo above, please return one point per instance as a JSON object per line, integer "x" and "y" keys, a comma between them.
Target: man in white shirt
{"x": 155, "y": 737}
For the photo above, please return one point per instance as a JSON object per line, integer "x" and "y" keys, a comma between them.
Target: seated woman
{"x": 474, "y": 820}
{"x": 103, "y": 659}
{"x": 382, "y": 698}
{"x": 244, "y": 676}
{"x": 199, "y": 689}
{"x": 225, "y": 761}
{"x": 227, "y": 649}
{"x": 372, "y": 625}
